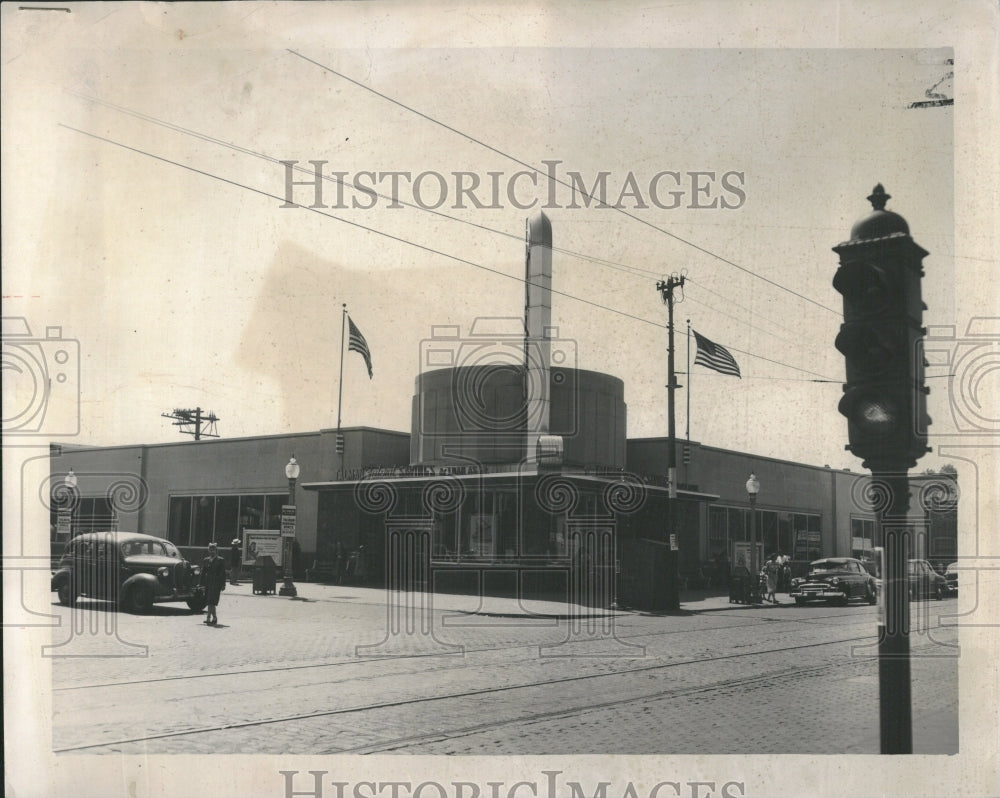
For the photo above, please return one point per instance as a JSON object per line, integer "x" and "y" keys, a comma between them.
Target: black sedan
{"x": 834, "y": 579}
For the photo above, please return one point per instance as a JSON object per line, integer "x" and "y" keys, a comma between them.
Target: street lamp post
{"x": 753, "y": 488}
{"x": 70, "y": 481}
{"x": 288, "y": 588}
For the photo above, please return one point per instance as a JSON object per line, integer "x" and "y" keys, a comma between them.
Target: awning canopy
{"x": 598, "y": 481}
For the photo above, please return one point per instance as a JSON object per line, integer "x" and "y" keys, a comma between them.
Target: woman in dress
{"x": 771, "y": 570}
{"x": 213, "y": 579}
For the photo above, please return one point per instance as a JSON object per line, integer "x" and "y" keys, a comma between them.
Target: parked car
{"x": 925, "y": 582}
{"x": 951, "y": 578}
{"x": 835, "y": 579}
{"x": 135, "y": 571}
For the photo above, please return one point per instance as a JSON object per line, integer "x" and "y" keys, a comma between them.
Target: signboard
{"x": 64, "y": 522}
{"x": 673, "y": 543}
{"x": 741, "y": 554}
{"x": 261, "y": 542}
{"x": 288, "y": 521}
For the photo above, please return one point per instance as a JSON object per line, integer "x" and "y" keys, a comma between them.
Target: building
{"x": 517, "y": 470}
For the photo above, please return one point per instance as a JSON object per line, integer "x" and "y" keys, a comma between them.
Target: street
{"x": 340, "y": 670}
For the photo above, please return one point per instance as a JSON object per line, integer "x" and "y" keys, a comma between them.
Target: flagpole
{"x": 340, "y": 386}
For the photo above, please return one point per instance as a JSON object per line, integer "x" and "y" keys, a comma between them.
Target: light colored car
{"x": 951, "y": 578}
{"x": 835, "y": 579}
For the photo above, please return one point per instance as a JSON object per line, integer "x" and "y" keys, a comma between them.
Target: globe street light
{"x": 292, "y": 472}
{"x": 753, "y": 488}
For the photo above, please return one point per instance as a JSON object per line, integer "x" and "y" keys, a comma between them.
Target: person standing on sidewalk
{"x": 235, "y": 559}
{"x": 771, "y": 569}
{"x": 213, "y": 579}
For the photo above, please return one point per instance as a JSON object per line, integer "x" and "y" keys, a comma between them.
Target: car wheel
{"x": 939, "y": 592}
{"x": 139, "y": 599}
{"x": 913, "y": 592}
{"x": 870, "y": 595}
{"x": 842, "y": 601}
{"x": 196, "y": 604}
{"x": 799, "y": 601}
{"x": 66, "y": 593}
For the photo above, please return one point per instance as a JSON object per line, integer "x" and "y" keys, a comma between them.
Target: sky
{"x": 143, "y": 215}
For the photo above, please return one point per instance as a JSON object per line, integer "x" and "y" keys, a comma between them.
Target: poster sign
{"x": 64, "y": 522}
{"x": 288, "y": 521}
{"x": 741, "y": 554}
{"x": 261, "y": 542}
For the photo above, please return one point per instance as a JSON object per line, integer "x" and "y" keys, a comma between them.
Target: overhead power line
{"x": 545, "y": 174}
{"x": 392, "y": 237}
{"x": 634, "y": 271}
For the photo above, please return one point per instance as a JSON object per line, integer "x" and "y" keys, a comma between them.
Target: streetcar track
{"x": 467, "y": 650}
{"x": 679, "y": 692}
{"x": 474, "y": 693}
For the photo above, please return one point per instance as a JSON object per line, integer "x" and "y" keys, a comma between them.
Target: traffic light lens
{"x": 877, "y": 416}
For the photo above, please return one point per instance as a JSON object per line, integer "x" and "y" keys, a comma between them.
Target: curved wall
{"x": 478, "y": 414}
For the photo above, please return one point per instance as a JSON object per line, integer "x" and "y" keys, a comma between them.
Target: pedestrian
{"x": 339, "y": 563}
{"x": 235, "y": 560}
{"x": 213, "y": 579}
{"x": 771, "y": 571}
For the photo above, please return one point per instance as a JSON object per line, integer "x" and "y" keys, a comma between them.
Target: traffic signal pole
{"x": 894, "y": 699}
{"x": 885, "y": 405}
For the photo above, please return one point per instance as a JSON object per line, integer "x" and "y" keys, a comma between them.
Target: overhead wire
{"x": 635, "y": 271}
{"x": 572, "y": 187}
{"x": 399, "y": 239}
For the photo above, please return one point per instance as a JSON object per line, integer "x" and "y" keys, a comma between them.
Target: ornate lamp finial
{"x": 878, "y": 198}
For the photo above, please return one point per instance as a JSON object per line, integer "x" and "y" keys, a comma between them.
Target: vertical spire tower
{"x": 538, "y": 328}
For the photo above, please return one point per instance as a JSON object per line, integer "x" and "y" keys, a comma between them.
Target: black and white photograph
{"x": 531, "y": 400}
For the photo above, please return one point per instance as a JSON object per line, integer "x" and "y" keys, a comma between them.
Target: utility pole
{"x": 191, "y": 421}
{"x": 666, "y": 289}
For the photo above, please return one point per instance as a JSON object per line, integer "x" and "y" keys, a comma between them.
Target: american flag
{"x": 357, "y": 343}
{"x": 715, "y": 357}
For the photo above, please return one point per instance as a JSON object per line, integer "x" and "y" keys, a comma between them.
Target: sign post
{"x": 288, "y": 521}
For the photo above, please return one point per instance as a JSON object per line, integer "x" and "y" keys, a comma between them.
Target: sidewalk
{"x": 505, "y": 607}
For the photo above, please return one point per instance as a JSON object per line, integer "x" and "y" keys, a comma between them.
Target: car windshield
{"x": 158, "y": 548}
{"x": 824, "y": 566}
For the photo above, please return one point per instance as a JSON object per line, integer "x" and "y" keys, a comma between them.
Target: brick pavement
{"x": 647, "y": 701}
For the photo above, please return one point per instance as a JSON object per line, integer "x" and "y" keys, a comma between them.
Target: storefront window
{"x": 179, "y": 522}
{"x": 227, "y": 510}
{"x": 203, "y": 522}
{"x": 272, "y": 510}
{"x": 251, "y": 512}
{"x": 862, "y": 538}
